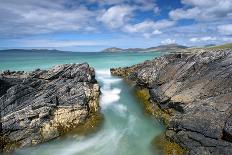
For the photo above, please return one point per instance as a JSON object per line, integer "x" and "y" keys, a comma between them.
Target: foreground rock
{"x": 43, "y": 104}
{"x": 198, "y": 88}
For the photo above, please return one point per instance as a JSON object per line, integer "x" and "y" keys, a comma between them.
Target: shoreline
{"x": 165, "y": 145}
{"x": 174, "y": 81}
{"x": 42, "y": 105}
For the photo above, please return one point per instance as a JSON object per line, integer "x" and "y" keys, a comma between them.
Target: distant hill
{"x": 209, "y": 45}
{"x": 229, "y": 45}
{"x": 169, "y": 47}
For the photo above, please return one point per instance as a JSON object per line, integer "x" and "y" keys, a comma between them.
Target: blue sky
{"x": 92, "y": 25}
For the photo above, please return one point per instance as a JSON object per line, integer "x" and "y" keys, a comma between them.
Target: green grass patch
{"x": 221, "y": 46}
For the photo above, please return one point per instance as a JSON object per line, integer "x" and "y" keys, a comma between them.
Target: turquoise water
{"x": 126, "y": 130}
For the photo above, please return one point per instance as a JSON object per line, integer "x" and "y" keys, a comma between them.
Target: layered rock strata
{"x": 198, "y": 88}
{"x": 41, "y": 105}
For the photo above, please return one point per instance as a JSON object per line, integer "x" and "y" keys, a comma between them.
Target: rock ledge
{"x": 43, "y": 104}
{"x": 198, "y": 88}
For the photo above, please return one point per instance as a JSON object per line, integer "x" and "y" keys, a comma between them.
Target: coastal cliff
{"x": 195, "y": 90}
{"x": 41, "y": 105}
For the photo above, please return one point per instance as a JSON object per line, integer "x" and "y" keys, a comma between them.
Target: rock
{"x": 43, "y": 104}
{"x": 198, "y": 87}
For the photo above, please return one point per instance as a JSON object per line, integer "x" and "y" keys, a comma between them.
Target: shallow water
{"x": 126, "y": 130}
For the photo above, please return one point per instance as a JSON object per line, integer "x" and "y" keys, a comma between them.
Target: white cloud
{"x": 57, "y": 43}
{"x": 149, "y": 35}
{"x": 116, "y": 16}
{"x": 38, "y": 17}
{"x": 200, "y": 3}
{"x": 148, "y": 28}
{"x": 203, "y": 39}
{"x": 203, "y": 10}
{"x": 143, "y": 5}
{"x": 225, "y": 29}
{"x": 28, "y": 17}
{"x": 227, "y": 39}
{"x": 168, "y": 41}
{"x": 193, "y": 39}
{"x": 185, "y": 14}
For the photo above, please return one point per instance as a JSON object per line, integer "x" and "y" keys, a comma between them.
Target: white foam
{"x": 110, "y": 80}
{"x": 103, "y": 72}
{"x": 121, "y": 109}
{"x": 110, "y": 96}
{"x": 104, "y": 140}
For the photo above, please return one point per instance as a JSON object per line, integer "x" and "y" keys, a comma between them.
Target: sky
{"x": 92, "y": 25}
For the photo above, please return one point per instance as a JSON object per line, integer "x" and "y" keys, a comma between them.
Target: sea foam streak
{"x": 121, "y": 109}
{"x": 109, "y": 94}
{"x": 104, "y": 142}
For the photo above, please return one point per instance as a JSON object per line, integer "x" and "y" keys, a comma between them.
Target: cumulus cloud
{"x": 148, "y": 28}
{"x": 168, "y": 41}
{"x": 203, "y": 10}
{"x": 27, "y": 17}
{"x": 225, "y": 29}
{"x": 116, "y": 16}
{"x": 38, "y": 17}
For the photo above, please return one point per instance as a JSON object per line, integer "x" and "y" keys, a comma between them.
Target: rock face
{"x": 199, "y": 89}
{"x": 43, "y": 104}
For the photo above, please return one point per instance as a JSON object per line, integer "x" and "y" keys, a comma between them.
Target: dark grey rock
{"x": 199, "y": 88}
{"x": 41, "y": 105}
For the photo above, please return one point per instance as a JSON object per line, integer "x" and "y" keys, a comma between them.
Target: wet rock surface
{"x": 43, "y": 104}
{"x": 199, "y": 89}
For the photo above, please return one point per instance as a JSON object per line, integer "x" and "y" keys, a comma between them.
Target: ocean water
{"x": 126, "y": 130}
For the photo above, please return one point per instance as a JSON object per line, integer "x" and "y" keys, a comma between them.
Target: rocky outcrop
{"x": 43, "y": 104}
{"x": 198, "y": 87}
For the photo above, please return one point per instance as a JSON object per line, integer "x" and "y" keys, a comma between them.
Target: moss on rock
{"x": 168, "y": 147}
{"x": 165, "y": 145}
{"x": 151, "y": 108}
{"x": 92, "y": 124}
{"x": 7, "y": 145}
{"x": 144, "y": 96}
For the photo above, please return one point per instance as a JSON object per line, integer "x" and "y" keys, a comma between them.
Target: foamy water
{"x": 126, "y": 130}
{"x": 110, "y": 95}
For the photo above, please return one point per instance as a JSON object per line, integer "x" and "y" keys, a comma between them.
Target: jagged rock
{"x": 199, "y": 88}
{"x": 43, "y": 104}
